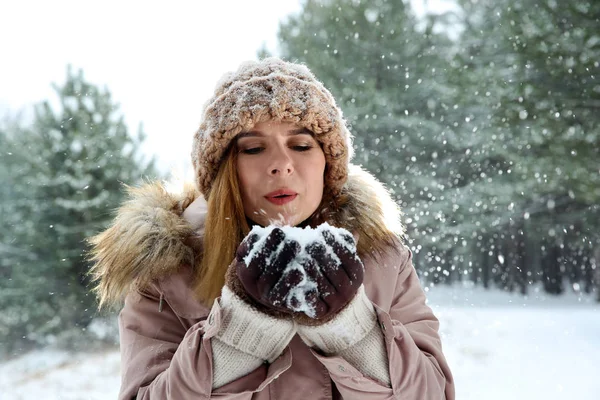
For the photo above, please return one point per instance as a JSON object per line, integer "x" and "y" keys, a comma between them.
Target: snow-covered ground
{"x": 503, "y": 346}
{"x": 500, "y": 346}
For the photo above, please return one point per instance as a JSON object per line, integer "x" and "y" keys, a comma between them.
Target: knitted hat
{"x": 275, "y": 90}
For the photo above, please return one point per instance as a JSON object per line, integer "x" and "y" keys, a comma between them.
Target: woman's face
{"x": 280, "y": 168}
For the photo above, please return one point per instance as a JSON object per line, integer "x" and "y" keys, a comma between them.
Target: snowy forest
{"x": 485, "y": 125}
{"x": 483, "y": 121}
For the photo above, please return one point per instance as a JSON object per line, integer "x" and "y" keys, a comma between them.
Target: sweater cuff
{"x": 250, "y": 331}
{"x": 349, "y": 327}
{"x": 370, "y": 357}
{"x": 230, "y": 364}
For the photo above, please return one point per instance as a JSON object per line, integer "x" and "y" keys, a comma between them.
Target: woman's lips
{"x": 281, "y": 200}
{"x": 281, "y": 196}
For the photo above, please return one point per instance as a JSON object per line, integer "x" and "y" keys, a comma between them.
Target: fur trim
{"x": 146, "y": 240}
{"x": 150, "y": 239}
{"x": 370, "y": 205}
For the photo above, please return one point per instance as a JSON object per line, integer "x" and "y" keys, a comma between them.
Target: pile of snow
{"x": 54, "y": 375}
{"x": 506, "y": 346}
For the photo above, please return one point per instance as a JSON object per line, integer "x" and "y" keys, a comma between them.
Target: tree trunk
{"x": 477, "y": 264}
{"x": 485, "y": 268}
{"x": 510, "y": 258}
{"x": 588, "y": 271}
{"x": 551, "y": 270}
{"x": 597, "y": 271}
{"x": 522, "y": 261}
{"x": 500, "y": 261}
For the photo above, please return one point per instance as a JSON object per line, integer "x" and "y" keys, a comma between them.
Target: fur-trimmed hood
{"x": 151, "y": 235}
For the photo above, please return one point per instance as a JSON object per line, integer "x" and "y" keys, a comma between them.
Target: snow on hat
{"x": 270, "y": 90}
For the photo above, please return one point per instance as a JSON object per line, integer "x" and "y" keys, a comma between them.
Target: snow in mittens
{"x": 297, "y": 297}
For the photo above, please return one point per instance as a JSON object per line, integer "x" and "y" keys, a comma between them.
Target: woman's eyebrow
{"x": 300, "y": 131}
{"x": 249, "y": 134}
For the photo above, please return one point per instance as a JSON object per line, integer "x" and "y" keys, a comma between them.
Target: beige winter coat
{"x": 165, "y": 334}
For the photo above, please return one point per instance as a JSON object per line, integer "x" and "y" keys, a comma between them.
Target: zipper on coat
{"x": 160, "y": 303}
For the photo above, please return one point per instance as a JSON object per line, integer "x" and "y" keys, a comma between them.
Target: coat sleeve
{"x": 162, "y": 359}
{"x": 417, "y": 366}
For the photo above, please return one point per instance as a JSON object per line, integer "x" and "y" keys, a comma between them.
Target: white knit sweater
{"x": 247, "y": 338}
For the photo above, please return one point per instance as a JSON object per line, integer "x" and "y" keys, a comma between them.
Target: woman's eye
{"x": 302, "y": 147}
{"x": 252, "y": 150}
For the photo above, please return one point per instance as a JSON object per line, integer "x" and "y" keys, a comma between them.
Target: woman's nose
{"x": 281, "y": 164}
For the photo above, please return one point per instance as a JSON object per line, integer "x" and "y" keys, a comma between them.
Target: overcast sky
{"x": 160, "y": 60}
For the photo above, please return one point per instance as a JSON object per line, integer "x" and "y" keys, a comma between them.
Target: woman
{"x": 212, "y": 308}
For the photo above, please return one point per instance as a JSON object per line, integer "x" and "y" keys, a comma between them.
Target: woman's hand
{"x": 261, "y": 267}
{"x": 337, "y": 271}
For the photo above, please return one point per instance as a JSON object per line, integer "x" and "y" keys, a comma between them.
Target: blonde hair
{"x": 225, "y": 228}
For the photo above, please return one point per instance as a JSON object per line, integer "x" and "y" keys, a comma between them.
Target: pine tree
{"x": 489, "y": 191}
{"x": 558, "y": 50}
{"x": 68, "y": 171}
{"x": 537, "y": 64}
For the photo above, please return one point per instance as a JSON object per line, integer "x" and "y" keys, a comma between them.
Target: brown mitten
{"x": 260, "y": 274}
{"x": 336, "y": 272}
